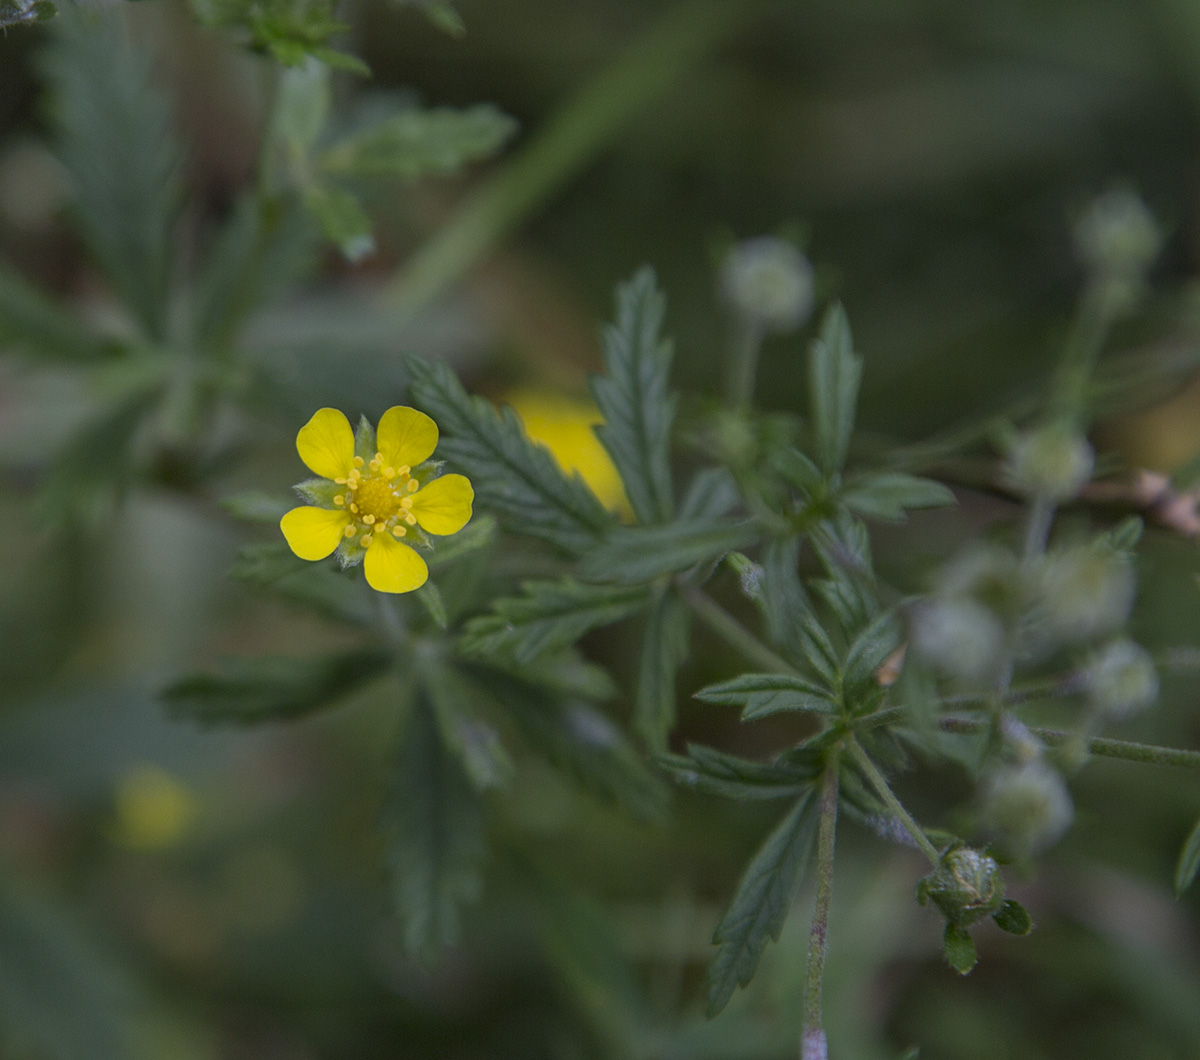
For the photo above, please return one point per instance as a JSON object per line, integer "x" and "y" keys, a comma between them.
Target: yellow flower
{"x": 366, "y": 504}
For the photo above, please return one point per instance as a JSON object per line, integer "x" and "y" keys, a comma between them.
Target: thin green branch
{"x": 737, "y": 636}
{"x": 1101, "y": 746}
{"x": 813, "y": 1044}
{"x": 877, "y": 781}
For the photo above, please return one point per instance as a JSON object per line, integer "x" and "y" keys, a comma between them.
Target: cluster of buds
{"x": 1027, "y": 804}
{"x": 768, "y": 283}
{"x": 1052, "y": 462}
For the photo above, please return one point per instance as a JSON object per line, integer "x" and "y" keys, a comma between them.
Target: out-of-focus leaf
{"x": 634, "y": 397}
{"x": 712, "y": 493}
{"x": 512, "y": 476}
{"x": 457, "y": 700}
{"x": 273, "y": 688}
{"x": 416, "y": 142}
{"x": 888, "y": 495}
{"x": 761, "y": 903}
{"x": 834, "y": 373}
{"x": 783, "y": 597}
{"x": 441, "y": 13}
{"x": 869, "y": 649}
{"x": 321, "y": 586}
{"x": 664, "y": 647}
{"x": 564, "y": 674}
{"x": 113, "y": 135}
{"x": 548, "y": 617}
{"x": 763, "y": 694}
{"x": 342, "y": 219}
{"x": 254, "y": 506}
{"x": 62, "y": 995}
{"x": 720, "y": 773}
{"x": 25, "y": 12}
{"x": 478, "y": 533}
{"x": 36, "y": 325}
{"x": 291, "y": 31}
{"x": 1189, "y": 861}
{"x": 438, "y": 844}
{"x": 640, "y": 554}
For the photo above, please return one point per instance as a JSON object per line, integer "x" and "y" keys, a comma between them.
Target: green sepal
{"x": 425, "y": 473}
{"x": 1013, "y": 917}
{"x": 959, "y": 949}
{"x": 319, "y": 491}
{"x": 350, "y": 552}
{"x": 364, "y": 440}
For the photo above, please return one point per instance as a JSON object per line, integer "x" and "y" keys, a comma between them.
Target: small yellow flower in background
{"x": 153, "y": 809}
{"x": 366, "y": 504}
{"x": 564, "y": 426}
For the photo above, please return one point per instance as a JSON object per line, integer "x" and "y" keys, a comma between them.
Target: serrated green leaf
{"x": 763, "y": 694}
{"x": 888, "y": 495}
{"x": 302, "y": 108}
{"x": 342, "y": 219}
{"x": 417, "y": 142}
{"x": 291, "y": 31}
{"x": 479, "y": 533}
{"x": 113, "y": 134}
{"x": 32, "y": 323}
{"x": 664, "y": 647}
{"x": 272, "y": 688}
{"x": 438, "y": 843}
{"x": 761, "y": 903}
{"x": 1189, "y": 862}
{"x": 321, "y": 586}
{"x": 549, "y": 616}
{"x": 784, "y": 601}
{"x": 584, "y": 743}
{"x": 959, "y": 949}
{"x": 713, "y": 492}
{"x": 513, "y": 477}
{"x": 1013, "y": 918}
{"x": 720, "y": 773}
{"x": 564, "y": 674}
{"x": 458, "y": 702}
{"x": 635, "y": 399}
{"x": 834, "y": 373}
{"x": 640, "y": 554}
{"x": 869, "y": 649}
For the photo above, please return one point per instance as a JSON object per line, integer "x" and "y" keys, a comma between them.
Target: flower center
{"x": 379, "y": 501}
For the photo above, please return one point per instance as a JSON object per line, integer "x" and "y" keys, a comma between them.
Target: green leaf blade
{"x": 835, "y": 372}
{"x": 889, "y": 495}
{"x": 639, "y": 554}
{"x": 762, "y": 694}
{"x": 634, "y": 397}
{"x": 1189, "y": 862}
{"x": 664, "y": 648}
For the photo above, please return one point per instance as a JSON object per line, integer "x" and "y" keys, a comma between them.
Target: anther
{"x": 340, "y": 481}
{"x": 399, "y": 531}
{"x": 405, "y": 503}
{"x": 410, "y": 519}
{"x": 349, "y": 531}
{"x": 354, "y": 508}
{"x": 413, "y": 485}
{"x": 340, "y": 499}
{"x": 365, "y": 540}
{"x": 389, "y": 472}
{"x": 369, "y": 520}
{"x": 359, "y": 461}
{"x": 403, "y": 471}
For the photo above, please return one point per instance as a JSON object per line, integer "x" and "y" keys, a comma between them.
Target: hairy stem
{"x": 1101, "y": 746}
{"x": 813, "y": 1045}
{"x": 877, "y": 781}
{"x": 737, "y": 636}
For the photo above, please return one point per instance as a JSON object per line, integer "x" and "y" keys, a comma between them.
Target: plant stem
{"x": 730, "y": 630}
{"x": 743, "y": 366}
{"x": 1101, "y": 746}
{"x": 393, "y": 626}
{"x": 1037, "y": 531}
{"x": 877, "y": 780}
{"x": 813, "y": 1045}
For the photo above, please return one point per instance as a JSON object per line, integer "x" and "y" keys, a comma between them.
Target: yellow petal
{"x": 406, "y": 436}
{"x": 391, "y": 567}
{"x": 444, "y": 506}
{"x": 326, "y": 444}
{"x": 313, "y": 533}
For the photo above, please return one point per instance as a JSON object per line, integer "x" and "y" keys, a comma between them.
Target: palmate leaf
{"x": 418, "y": 142}
{"x": 112, "y": 133}
{"x": 273, "y": 688}
{"x": 761, "y": 903}
{"x": 512, "y": 476}
{"x": 549, "y": 616}
{"x": 634, "y": 398}
{"x": 720, "y": 773}
{"x": 640, "y": 554}
{"x": 438, "y": 844}
{"x": 664, "y": 647}
{"x": 834, "y": 372}
{"x": 763, "y": 694}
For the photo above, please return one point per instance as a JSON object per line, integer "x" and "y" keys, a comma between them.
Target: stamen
{"x": 349, "y": 531}
{"x": 340, "y": 481}
{"x": 399, "y": 531}
{"x": 369, "y": 520}
{"x": 340, "y": 499}
{"x": 404, "y": 471}
{"x": 354, "y": 508}
{"x": 365, "y": 540}
{"x": 389, "y": 472}
{"x": 405, "y": 503}
{"x": 413, "y": 485}
{"x": 410, "y": 519}
{"x": 359, "y": 461}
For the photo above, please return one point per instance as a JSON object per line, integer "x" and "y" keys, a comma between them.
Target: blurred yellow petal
{"x": 406, "y": 437}
{"x": 313, "y": 533}
{"x": 444, "y": 506}
{"x": 326, "y": 444}
{"x": 154, "y": 809}
{"x": 392, "y": 567}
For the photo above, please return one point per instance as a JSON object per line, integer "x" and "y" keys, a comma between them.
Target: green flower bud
{"x": 988, "y": 574}
{"x": 769, "y": 282}
{"x": 966, "y": 886}
{"x": 959, "y": 636}
{"x": 1052, "y": 462}
{"x": 1028, "y": 804}
{"x": 1084, "y": 590}
{"x": 1122, "y": 679}
{"x": 1118, "y": 235}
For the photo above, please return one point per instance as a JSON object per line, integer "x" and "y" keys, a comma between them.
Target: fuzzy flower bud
{"x": 1028, "y": 804}
{"x": 769, "y": 282}
{"x": 1052, "y": 462}
{"x": 1122, "y": 679}
{"x": 959, "y": 636}
{"x": 1084, "y": 590}
{"x": 966, "y": 886}
{"x": 1118, "y": 235}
